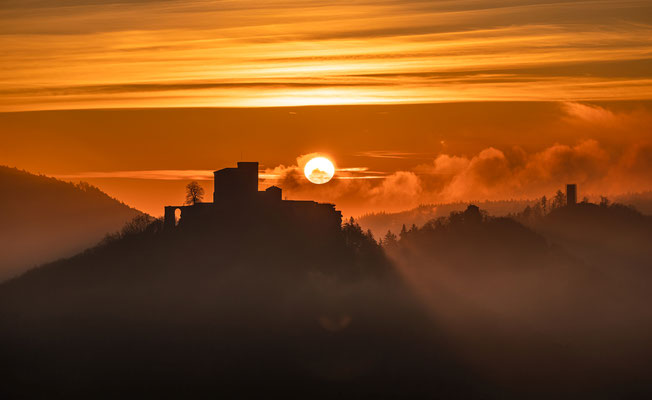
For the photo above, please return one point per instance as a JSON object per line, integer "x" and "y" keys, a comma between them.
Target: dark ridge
{"x": 44, "y": 219}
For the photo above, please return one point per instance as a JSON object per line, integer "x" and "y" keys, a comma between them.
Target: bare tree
{"x": 194, "y": 193}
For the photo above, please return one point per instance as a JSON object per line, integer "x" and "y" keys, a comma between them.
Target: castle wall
{"x": 169, "y": 218}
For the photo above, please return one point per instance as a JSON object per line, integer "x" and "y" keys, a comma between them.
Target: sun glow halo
{"x": 319, "y": 170}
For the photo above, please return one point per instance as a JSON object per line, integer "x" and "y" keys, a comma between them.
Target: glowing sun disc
{"x": 319, "y": 170}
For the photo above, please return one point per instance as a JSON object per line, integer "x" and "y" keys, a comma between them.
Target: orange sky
{"x": 480, "y": 99}
{"x": 123, "y": 53}
{"x": 389, "y": 157}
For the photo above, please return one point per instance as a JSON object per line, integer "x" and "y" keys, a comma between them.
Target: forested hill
{"x": 44, "y": 219}
{"x": 467, "y": 306}
{"x": 379, "y": 223}
{"x": 239, "y": 310}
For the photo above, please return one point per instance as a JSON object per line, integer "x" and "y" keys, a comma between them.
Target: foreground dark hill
{"x": 44, "y": 219}
{"x": 243, "y": 309}
{"x": 468, "y": 307}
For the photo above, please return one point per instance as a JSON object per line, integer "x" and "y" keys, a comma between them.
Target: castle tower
{"x": 249, "y": 176}
{"x": 571, "y": 194}
{"x": 236, "y": 183}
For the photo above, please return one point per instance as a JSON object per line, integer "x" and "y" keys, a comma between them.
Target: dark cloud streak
{"x": 161, "y": 87}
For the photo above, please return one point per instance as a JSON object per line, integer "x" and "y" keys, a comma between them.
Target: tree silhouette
{"x": 390, "y": 240}
{"x": 403, "y": 232}
{"x": 604, "y": 202}
{"x": 559, "y": 200}
{"x": 194, "y": 193}
{"x": 137, "y": 225}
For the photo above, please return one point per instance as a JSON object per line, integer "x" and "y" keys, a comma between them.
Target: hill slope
{"x": 562, "y": 300}
{"x": 241, "y": 310}
{"x": 44, "y": 219}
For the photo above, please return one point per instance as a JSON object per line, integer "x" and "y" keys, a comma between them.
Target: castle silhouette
{"x": 237, "y": 200}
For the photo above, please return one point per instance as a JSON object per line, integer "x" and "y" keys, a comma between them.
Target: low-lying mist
{"x": 531, "y": 312}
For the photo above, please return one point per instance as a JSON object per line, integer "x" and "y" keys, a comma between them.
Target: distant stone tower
{"x": 571, "y": 194}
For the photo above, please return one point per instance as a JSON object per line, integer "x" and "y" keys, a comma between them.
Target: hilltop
{"x": 44, "y": 219}
{"x": 608, "y": 236}
{"x": 380, "y": 222}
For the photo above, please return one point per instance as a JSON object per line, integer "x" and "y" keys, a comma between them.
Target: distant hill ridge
{"x": 44, "y": 218}
{"x": 379, "y": 223}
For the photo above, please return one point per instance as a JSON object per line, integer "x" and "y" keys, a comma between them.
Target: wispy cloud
{"x": 205, "y": 175}
{"x": 86, "y": 53}
{"x": 167, "y": 174}
{"x": 391, "y": 154}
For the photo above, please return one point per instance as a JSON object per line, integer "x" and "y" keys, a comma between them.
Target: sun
{"x": 319, "y": 170}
